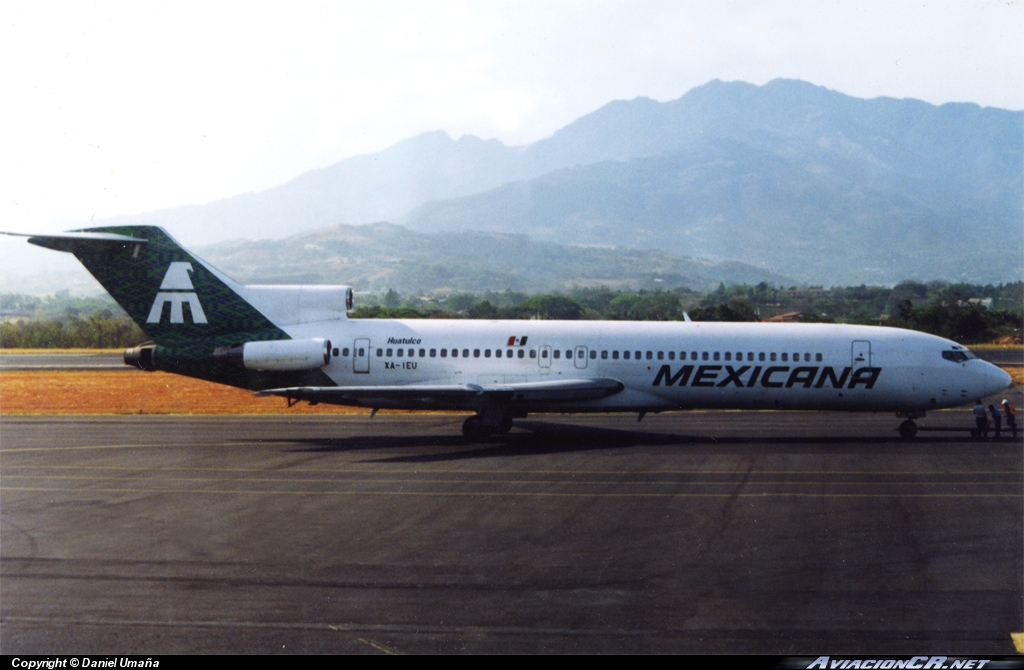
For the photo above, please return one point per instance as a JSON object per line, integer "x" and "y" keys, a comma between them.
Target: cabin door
{"x": 361, "y": 356}
{"x": 861, "y": 356}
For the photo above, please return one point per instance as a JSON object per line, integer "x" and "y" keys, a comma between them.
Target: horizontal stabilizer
{"x": 69, "y": 240}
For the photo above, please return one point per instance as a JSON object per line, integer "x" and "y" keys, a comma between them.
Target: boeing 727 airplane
{"x": 297, "y": 342}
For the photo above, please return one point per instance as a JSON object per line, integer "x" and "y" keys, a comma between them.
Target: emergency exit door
{"x": 580, "y": 357}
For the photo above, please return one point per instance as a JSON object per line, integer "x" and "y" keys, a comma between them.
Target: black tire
{"x": 473, "y": 429}
{"x": 908, "y": 429}
{"x": 505, "y": 426}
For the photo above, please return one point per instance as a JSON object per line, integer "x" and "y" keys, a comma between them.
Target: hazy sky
{"x": 123, "y": 108}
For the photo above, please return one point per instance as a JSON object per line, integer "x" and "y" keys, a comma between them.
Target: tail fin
{"x": 174, "y": 296}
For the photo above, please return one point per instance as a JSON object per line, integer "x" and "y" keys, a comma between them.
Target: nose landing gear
{"x": 908, "y": 429}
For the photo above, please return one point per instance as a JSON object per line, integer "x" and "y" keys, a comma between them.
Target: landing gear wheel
{"x": 908, "y": 429}
{"x": 473, "y": 429}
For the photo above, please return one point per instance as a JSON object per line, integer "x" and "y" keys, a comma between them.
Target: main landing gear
{"x": 482, "y": 426}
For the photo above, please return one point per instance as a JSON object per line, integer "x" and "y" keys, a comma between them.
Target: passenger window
{"x": 817, "y": 358}
{"x": 637, "y": 354}
{"x": 625, "y": 355}
{"x": 728, "y": 355}
{"x": 543, "y": 353}
{"x": 760, "y": 356}
{"x": 380, "y": 352}
{"x": 487, "y": 353}
{"x": 704, "y": 355}
{"x": 649, "y": 355}
{"x": 455, "y": 353}
{"x": 671, "y": 355}
{"x": 465, "y": 353}
{"x": 508, "y": 353}
{"x": 361, "y": 352}
{"x": 399, "y": 352}
{"x": 558, "y": 353}
{"x": 772, "y": 357}
{"x": 661, "y": 355}
{"x": 568, "y": 354}
{"x": 522, "y": 354}
{"x": 476, "y": 353}
{"x": 422, "y": 353}
{"x": 433, "y": 353}
{"x": 391, "y": 352}
{"x": 785, "y": 357}
{"x": 615, "y": 355}
{"x": 444, "y": 353}
{"x": 716, "y": 356}
{"x": 593, "y": 354}
{"x": 604, "y": 355}
{"x": 533, "y": 353}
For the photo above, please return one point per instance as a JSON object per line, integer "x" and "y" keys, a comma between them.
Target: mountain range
{"x": 376, "y": 257}
{"x": 791, "y": 178}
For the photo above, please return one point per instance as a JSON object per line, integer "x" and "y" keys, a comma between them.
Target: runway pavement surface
{"x": 62, "y": 361}
{"x": 770, "y": 532}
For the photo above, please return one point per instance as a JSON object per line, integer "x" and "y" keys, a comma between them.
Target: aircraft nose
{"x": 996, "y": 380}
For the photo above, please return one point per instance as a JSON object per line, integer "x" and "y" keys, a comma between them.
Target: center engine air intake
{"x": 141, "y": 357}
{"x": 278, "y": 355}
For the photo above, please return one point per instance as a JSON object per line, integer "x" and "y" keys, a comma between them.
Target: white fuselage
{"x": 665, "y": 365}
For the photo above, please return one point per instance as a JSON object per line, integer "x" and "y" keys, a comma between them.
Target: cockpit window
{"x": 959, "y": 355}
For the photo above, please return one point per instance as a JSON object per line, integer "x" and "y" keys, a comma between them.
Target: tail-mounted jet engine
{"x": 278, "y": 355}
{"x": 141, "y": 357}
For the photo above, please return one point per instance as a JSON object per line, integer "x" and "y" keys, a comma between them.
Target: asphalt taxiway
{"x": 770, "y": 532}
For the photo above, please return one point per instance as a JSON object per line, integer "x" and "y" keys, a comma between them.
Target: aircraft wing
{"x": 567, "y": 390}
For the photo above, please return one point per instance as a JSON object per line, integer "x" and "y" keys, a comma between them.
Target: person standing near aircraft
{"x": 981, "y": 419}
{"x": 1011, "y": 416}
{"x": 997, "y": 421}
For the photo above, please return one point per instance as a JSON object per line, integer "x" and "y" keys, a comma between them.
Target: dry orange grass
{"x": 1017, "y": 374}
{"x": 129, "y": 392}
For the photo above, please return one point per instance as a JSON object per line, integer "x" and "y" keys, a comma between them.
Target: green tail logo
{"x": 177, "y": 289}
{"x": 173, "y": 295}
